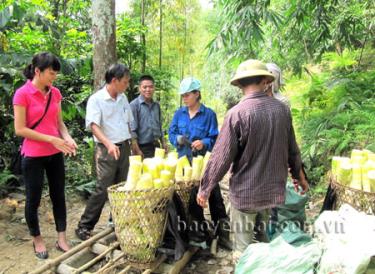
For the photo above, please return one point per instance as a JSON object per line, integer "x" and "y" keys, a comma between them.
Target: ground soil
{"x": 16, "y": 252}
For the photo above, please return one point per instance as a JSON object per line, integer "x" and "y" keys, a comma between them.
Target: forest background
{"x": 325, "y": 49}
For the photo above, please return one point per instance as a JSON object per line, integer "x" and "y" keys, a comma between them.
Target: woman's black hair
{"x": 116, "y": 71}
{"x": 41, "y": 61}
{"x": 200, "y": 96}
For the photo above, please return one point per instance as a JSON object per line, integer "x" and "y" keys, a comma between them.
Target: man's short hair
{"x": 251, "y": 80}
{"x": 146, "y": 77}
{"x": 116, "y": 71}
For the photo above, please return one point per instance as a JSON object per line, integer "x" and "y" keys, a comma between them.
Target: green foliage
{"x": 338, "y": 114}
{"x": 129, "y": 49}
{"x": 291, "y": 33}
{"x": 79, "y": 169}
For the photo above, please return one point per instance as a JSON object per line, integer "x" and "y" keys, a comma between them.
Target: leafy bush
{"x": 338, "y": 114}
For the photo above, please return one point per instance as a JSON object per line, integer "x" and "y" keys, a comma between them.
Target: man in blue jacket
{"x": 193, "y": 132}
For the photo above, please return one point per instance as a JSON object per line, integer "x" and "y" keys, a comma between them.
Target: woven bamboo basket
{"x": 183, "y": 190}
{"x": 140, "y": 219}
{"x": 360, "y": 200}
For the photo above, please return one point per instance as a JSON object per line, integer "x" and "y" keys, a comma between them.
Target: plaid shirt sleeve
{"x": 223, "y": 154}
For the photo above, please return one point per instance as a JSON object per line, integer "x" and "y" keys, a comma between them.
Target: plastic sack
{"x": 347, "y": 238}
{"x": 291, "y": 214}
{"x": 278, "y": 257}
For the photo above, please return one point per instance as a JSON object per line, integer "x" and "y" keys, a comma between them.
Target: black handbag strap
{"x": 45, "y": 111}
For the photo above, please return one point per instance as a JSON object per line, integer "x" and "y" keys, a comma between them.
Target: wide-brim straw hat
{"x": 251, "y": 68}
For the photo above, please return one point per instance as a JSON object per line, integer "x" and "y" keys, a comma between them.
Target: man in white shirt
{"x": 108, "y": 116}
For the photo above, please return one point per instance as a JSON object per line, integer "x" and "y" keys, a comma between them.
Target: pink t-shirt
{"x": 35, "y": 103}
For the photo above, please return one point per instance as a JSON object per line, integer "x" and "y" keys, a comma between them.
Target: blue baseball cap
{"x": 189, "y": 84}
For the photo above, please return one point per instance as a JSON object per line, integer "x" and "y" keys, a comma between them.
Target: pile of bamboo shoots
{"x": 357, "y": 172}
{"x": 162, "y": 170}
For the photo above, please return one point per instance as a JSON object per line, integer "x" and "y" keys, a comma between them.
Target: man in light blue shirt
{"x": 147, "y": 132}
{"x": 108, "y": 116}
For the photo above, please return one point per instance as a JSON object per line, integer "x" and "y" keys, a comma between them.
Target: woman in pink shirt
{"x": 43, "y": 146}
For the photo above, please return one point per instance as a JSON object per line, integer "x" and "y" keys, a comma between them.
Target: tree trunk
{"x": 161, "y": 33}
{"x": 185, "y": 44}
{"x": 104, "y": 38}
{"x": 143, "y": 37}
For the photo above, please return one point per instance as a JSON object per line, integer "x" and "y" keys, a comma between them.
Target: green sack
{"x": 291, "y": 214}
{"x": 279, "y": 257}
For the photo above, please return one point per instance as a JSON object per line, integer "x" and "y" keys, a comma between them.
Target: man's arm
{"x": 294, "y": 155}
{"x": 162, "y": 139}
{"x": 93, "y": 122}
{"x": 223, "y": 155}
{"x": 133, "y": 128}
{"x": 111, "y": 147}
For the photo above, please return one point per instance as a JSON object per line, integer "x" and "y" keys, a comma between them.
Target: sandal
{"x": 59, "y": 248}
{"x": 41, "y": 254}
{"x": 83, "y": 233}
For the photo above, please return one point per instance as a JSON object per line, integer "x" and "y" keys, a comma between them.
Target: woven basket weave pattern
{"x": 183, "y": 190}
{"x": 360, "y": 200}
{"x": 139, "y": 217}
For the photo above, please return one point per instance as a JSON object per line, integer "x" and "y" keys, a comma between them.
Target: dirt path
{"x": 16, "y": 253}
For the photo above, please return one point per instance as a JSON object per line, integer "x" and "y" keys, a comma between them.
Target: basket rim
{"x": 113, "y": 189}
{"x": 336, "y": 184}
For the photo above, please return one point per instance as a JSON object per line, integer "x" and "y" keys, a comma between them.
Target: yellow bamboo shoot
{"x": 170, "y": 165}
{"x": 371, "y": 178}
{"x": 135, "y": 158}
{"x": 344, "y": 174}
{"x": 205, "y": 161}
{"x": 159, "y": 153}
{"x": 134, "y": 173}
{"x": 366, "y": 168}
{"x": 197, "y": 168}
{"x": 172, "y": 155}
{"x": 146, "y": 164}
{"x": 145, "y": 182}
{"x": 356, "y": 181}
{"x": 187, "y": 173}
{"x": 158, "y": 183}
{"x": 356, "y": 153}
{"x": 336, "y": 161}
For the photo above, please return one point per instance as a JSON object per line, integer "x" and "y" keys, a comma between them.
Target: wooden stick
{"x": 213, "y": 248}
{"x": 180, "y": 264}
{"x": 97, "y": 258}
{"x": 156, "y": 264}
{"x": 72, "y": 251}
{"x": 65, "y": 269}
{"x": 65, "y": 266}
{"x": 126, "y": 269}
{"x": 110, "y": 263}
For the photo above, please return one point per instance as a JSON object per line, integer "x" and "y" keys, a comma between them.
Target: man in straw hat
{"x": 257, "y": 139}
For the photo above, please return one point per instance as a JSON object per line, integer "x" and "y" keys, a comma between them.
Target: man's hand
{"x": 201, "y": 200}
{"x": 114, "y": 151}
{"x": 197, "y": 145}
{"x": 136, "y": 150}
{"x": 302, "y": 183}
{"x": 165, "y": 146}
